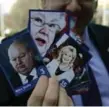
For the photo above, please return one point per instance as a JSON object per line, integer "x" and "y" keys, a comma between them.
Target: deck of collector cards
{"x": 45, "y": 48}
{"x": 62, "y": 55}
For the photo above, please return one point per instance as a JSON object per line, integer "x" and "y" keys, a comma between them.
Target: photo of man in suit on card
{"x": 22, "y": 60}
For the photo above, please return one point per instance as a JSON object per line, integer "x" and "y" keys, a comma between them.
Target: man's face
{"x": 43, "y": 28}
{"x": 20, "y": 58}
{"x": 82, "y": 9}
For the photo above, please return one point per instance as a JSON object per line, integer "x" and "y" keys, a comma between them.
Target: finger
{"x": 52, "y": 94}
{"x": 70, "y": 102}
{"x": 37, "y": 96}
{"x": 63, "y": 97}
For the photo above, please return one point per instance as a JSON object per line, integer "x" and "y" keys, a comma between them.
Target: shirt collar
{"x": 33, "y": 73}
{"x": 24, "y": 77}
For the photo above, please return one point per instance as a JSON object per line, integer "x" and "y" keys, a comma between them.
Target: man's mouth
{"x": 21, "y": 66}
{"x": 40, "y": 41}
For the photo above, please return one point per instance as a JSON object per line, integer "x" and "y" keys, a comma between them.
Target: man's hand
{"x": 48, "y": 93}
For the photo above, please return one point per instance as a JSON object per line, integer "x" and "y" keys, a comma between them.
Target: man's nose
{"x": 44, "y": 30}
{"x": 18, "y": 61}
{"x": 74, "y": 6}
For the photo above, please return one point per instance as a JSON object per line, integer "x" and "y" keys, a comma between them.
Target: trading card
{"x": 46, "y": 27}
{"x": 21, "y": 62}
{"x": 67, "y": 60}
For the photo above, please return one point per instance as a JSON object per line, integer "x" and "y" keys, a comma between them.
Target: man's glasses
{"x": 39, "y": 22}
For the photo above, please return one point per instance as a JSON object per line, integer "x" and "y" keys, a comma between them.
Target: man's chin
{"x": 24, "y": 73}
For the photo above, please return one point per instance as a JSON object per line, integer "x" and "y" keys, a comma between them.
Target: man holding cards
{"x": 22, "y": 60}
{"x": 47, "y": 91}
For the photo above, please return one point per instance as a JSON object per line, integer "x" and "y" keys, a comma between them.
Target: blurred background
{"x": 14, "y": 15}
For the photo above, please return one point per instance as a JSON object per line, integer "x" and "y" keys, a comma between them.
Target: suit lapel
{"x": 16, "y": 81}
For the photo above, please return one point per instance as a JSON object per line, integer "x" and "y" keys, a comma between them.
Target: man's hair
{"x": 22, "y": 42}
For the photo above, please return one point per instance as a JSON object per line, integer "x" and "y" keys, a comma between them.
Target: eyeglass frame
{"x": 45, "y": 24}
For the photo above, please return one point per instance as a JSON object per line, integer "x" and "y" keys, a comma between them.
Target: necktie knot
{"x": 29, "y": 78}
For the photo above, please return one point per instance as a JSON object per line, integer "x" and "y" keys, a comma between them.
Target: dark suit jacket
{"x": 100, "y": 37}
{"x": 15, "y": 80}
